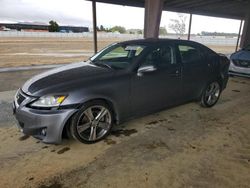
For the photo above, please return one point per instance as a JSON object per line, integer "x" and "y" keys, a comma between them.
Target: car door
{"x": 161, "y": 85}
{"x": 194, "y": 70}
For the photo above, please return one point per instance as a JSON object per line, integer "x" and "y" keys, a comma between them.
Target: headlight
{"x": 48, "y": 101}
{"x": 236, "y": 62}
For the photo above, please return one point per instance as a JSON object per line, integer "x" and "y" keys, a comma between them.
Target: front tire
{"x": 211, "y": 94}
{"x": 92, "y": 123}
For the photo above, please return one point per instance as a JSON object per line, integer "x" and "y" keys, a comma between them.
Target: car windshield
{"x": 117, "y": 56}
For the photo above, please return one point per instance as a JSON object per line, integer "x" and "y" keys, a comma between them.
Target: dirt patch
{"x": 41, "y": 51}
{"x": 190, "y": 147}
{"x": 26, "y": 51}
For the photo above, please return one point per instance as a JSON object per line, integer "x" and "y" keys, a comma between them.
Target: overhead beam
{"x": 192, "y": 3}
{"x": 152, "y": 18}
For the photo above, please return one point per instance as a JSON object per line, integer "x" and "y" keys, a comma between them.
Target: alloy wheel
{"x": 94, "y": 123}
{"x": 212, "y": 93}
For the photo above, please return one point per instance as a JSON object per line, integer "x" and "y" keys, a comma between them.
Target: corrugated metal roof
{"x": 220, "y": 8}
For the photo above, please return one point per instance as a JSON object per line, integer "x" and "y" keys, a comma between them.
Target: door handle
{"x": 175, "y": 73}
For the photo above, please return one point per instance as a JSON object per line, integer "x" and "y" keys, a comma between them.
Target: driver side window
{"x": 160, "y": 57}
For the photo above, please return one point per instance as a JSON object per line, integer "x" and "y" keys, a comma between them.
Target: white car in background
{"x": 240, "y": 63}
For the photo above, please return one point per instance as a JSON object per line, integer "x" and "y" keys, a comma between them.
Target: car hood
{"x": 241, "y": 55}
{"x": 62, "y": 78}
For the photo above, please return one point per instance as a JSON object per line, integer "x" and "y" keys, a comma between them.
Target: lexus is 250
{"x": 123, "y": 81}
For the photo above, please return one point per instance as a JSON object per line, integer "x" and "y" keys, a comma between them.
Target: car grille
{"x": 242, "y": 63}
{"x": 20, "y": 98}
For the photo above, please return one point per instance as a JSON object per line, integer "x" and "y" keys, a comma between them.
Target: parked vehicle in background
{"x": 240, "y": 63}
{"x": 123, "y": 81}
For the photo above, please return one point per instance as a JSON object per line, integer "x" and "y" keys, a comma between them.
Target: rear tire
{"x": 92, "y": 123}
{"x": 211, "y": 94}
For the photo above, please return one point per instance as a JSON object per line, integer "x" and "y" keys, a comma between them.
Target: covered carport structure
{"x": 234, "y": 9}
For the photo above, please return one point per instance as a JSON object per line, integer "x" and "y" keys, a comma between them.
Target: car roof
{"x": 151, "y": 41}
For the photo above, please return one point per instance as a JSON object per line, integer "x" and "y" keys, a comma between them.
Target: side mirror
{"x": 146, "y": 69}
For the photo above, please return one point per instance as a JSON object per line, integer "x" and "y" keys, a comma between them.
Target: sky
{"x": 79, "y": 12}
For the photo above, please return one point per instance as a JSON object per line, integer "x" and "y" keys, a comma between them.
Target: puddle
{"x": 236, "y": 81}
{"x": 235, "y": 90}
{"x": 125, "y": 132}
{"x": 155, "y": 145}
{"x": 152, "y": 122}
{"x": 24, "y": 137}
{"x": 192, "y": 146}
{"x": 109, "y": 141}
{"x": 174, "y": 116}
{"x": 54, "y": 185}
{"x": 171, "y": 129}
{"x": 61, "y": 151}
{"x": 31, "y": 178}
{"x": 156, "y": 121}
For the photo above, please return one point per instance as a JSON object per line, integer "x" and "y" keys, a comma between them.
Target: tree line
{"x": 177, "y": 25}
{"x": 54, "y": 27}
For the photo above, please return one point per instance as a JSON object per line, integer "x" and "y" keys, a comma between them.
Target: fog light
{"x": 44, "y": 131}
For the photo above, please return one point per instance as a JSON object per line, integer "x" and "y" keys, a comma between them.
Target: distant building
{"x": 3, "y": 28}
{"x": 40, "y": 27}
{"x": 73, "y": 29}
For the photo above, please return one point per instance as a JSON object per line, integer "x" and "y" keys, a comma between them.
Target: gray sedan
{"x": 123, "y": 81}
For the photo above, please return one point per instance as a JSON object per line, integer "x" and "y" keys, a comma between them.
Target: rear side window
{"x": 189, "y": 54}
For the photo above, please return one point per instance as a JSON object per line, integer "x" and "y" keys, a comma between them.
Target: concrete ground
{"x": 185, "y": 146}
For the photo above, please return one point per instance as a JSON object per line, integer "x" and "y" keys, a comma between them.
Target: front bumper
{"x": 239, "y": 71}
{"x": 46, "y": 125}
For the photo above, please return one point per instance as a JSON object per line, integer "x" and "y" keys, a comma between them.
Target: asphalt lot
{"x": 185, "y": 146}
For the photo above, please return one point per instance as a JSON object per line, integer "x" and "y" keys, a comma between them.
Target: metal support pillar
{"x": 245, "y": 38}
{"x": 94, "y": 25}
{"x": 152, "y": 18}
{"x": 238, "y": 39}
{"x": 189, "y": 26}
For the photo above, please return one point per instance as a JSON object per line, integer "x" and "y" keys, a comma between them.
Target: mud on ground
{"x": 185, "y": 146}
